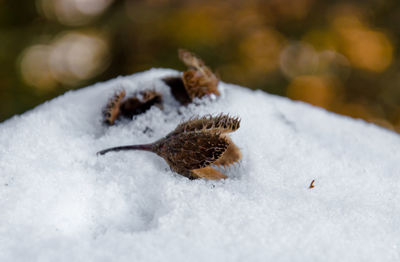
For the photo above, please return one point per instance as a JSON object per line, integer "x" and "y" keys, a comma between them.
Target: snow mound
{"x": 61, "y": 202}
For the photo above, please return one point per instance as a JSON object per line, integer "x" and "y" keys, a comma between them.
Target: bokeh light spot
{"x": 78, "y": 56}
{"x": 72, "y": 57}
{"x": 366, "y": 48}
{"x": 298, "y": 59}
{"x": 35, "y": 68}
{"x": 72, "y": 12}
{"x": 316, "y": 90}
{"x": 260, "y": 50}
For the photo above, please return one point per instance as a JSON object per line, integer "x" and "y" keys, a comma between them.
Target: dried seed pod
{"x": 112, "y": 110}
{"x": 140, "y": 103}
{"x": 197, "y": 81}
{"x": 192, "y": 150}
{"x": 194, "y": 145}
{"x": 137, "y": 104}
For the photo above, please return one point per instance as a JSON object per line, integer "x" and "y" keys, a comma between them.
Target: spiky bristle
{"x": 221, "y": 123}
{"x": 112, "y": 110}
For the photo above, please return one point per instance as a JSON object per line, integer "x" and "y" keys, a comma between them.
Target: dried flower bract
{"x": 112, "y": 110}
{"x": 195, "y": 145}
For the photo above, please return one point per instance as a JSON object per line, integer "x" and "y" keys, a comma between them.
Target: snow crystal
{"x": 61, "y": 202}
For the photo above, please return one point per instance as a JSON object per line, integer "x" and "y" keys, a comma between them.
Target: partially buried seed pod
{"x": 138, "y": 103}
{"x": 197, "y": 81}
{"x": 195, "y": 145}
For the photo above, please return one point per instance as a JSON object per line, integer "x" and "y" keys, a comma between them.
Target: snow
{"x": 61, "y": 202}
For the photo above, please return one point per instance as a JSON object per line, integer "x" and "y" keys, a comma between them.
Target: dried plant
{"x": 138, "y": 103}
{"x": 197, "y": 81}
{"x": 112, "y": 110}
{"x": 195, "y": 145}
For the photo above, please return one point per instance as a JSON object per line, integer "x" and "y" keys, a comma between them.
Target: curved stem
{"x": 145, "y": 147}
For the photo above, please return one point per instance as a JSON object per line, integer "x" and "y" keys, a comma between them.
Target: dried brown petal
{"x": 231, "y": 155}
{"x": 112, "y": 110}
{"x": 208, "y": 173}
{"x": 189, "y": 59}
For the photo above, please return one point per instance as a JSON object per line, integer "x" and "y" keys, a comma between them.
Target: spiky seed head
{"x": 198, "y": 143}
{"x": 198, "y": 80}
{"x": 195, "y": 145}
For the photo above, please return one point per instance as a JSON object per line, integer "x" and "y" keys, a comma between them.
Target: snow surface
{"x": 61, "y": 202}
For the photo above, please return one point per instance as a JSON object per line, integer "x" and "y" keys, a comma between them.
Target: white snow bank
{"x": 61, "y": 202}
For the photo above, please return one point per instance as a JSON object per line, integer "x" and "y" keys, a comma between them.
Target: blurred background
{"x": 339, "y": 55}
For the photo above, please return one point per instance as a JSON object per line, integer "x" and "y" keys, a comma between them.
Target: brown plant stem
{"x": 144, "y": 147}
